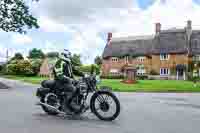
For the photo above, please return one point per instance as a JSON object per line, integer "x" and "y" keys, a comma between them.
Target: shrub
{"x": 88, "y": 69}
{"x": 21, "y": 67}
{"x": 142, "y": 77}
{"x": 112, "y": 77}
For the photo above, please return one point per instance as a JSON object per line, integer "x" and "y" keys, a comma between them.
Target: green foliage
{"x": 21, "y": 67}
{"x": 76, "y": 60}
{"x": 52, "y": 54}
{"x": 89, "y": 69}
{"x": 36, "y": 54}
{"x": 35, "y": 65}
{"x": 112, "y": 77}
{"x": 98, "y": 60}
{"x": 142, "y": 77}
{"x": 15, "y": 16}
{"x": 18, "y": 56}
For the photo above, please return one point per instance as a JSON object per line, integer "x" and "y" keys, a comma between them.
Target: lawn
{"x": 152, "y": 86}
{"x": 140, "y": 86}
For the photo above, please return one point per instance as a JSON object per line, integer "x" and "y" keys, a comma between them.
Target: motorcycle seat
{"x": 48, "y": 83}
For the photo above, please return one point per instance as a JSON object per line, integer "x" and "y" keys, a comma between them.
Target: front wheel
{"x": 105, "y": 105}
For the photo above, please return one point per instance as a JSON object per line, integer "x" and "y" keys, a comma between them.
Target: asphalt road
{"x": 140, "y": 113}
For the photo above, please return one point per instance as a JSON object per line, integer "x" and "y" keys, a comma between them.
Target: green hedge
{"x": 112, "y": 77}
{"x": 142, "y": 77}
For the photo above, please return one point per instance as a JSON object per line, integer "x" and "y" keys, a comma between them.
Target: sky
{"x": 82, "y": 26}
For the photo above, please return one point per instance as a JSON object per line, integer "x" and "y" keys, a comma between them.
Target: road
{"x": 140, "y": 113}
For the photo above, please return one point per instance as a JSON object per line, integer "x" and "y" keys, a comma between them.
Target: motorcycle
{"x": 103, "y": 102}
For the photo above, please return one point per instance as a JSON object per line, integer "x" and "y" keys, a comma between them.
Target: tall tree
{"x": 15, "y": 16}
{"x": 76, "y": 60}
{"x": 98, "y": 60}
{"x": 18, "y": 56}
{"x": 36, "y": 54}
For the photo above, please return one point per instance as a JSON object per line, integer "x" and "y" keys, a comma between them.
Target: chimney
{"x": 188, "y": 34}
{"x": 189, "y": 24}
{"x": 109, "y": 38}
{"x": 158, "y": 28}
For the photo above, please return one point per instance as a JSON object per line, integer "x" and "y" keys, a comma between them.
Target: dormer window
{"x": 164, "y": 56}
{"x": 141, "y": 59}
{"x": 126, "y": 59}
{"x": 195, "y": 44}
{"x": 115, "y": 59}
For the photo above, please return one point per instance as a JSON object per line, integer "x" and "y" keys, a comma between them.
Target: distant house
{"x": 46, "y": 68}
{"x": 167, "y": 54}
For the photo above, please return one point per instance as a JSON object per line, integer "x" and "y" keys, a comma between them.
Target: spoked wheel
{"x": 105, "y": 105}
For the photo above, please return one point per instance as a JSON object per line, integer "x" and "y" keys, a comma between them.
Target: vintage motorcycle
{"x": 103, "y": 103}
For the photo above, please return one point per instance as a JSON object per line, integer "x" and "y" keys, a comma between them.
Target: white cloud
{"x": 49, "y": 25}
{"x": 50, "y": 46}
{"x": 123, "y": 18}
{"x": 21, "y": 39}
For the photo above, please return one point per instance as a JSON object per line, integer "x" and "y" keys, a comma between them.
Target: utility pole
{"x": 7, "y": 56}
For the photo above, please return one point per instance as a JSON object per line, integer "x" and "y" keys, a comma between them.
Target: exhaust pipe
{"x": 50, "y": 107}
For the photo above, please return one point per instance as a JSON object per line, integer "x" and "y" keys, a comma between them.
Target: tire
{"x": 114, "y": 98}
{"x": 46, "y": 110}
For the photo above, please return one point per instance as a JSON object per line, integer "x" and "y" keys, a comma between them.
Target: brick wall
{"x": 150, "y": 63}
{"x": 108, "y": 64}
{"x": 171, "y": 63}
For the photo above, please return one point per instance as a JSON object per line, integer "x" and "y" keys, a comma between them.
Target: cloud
{"x": 51, "y": 46}
{"x": 21, "y": 39}
{"x": 49, "y": 25}
{"x": 87, "y": 21}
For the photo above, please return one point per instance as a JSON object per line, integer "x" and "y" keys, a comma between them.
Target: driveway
{"x": 140, "y": 113}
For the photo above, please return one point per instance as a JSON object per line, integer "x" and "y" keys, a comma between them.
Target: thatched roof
{"x": 133, "y": 46}
{"x": 168, "y": 41}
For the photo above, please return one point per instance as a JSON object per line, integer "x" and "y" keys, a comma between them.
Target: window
{"x": 141, "y": 59}
{"x": 164, "y": 71}
{"x": 115, "y": 59}
{"x": 195, "y": 44}
{"x": 126, "y": 59}
{"x": 140, "y": 69}
{"x": 164, "y": 56}
{"x": 196, "y": 58}
{"x": 114, "y": 72}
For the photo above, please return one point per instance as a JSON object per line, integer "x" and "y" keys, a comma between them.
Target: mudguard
{"x": 105, "y": 88}
{"x": 41, "y": 92}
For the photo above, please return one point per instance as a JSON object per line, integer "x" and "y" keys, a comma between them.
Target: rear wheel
{"x": 105, "y": 105}
{"x": 48, "y": 111}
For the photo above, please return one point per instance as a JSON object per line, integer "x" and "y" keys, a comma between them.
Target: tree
{"x": 76, "y": 60}
{"x": 98, "y": 60}
{"x": 15, "y": 16}
{"x": 18, "y": 56}
{"x": 36, "y": 54}
{"x": 52, "y": 54}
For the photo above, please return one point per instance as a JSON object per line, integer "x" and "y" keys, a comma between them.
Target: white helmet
{"x": 65, "y": 55}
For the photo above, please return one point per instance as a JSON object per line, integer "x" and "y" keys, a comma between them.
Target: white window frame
{"x": 115, "y": 59}
{"x": 164, "y": 71}
{"x": 196, "y": 58}
{"x": 164, "y": 56}
{"x": 141, "y": 69}
{"x": 141, "y": 58}
{"x": 114, "y": 71}
{"x": 126, "y": 59}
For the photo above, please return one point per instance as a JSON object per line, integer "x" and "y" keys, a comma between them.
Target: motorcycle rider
{"x": 63, "y": 74}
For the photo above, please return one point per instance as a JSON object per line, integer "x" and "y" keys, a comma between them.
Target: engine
{"x": 83, "y": 87}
